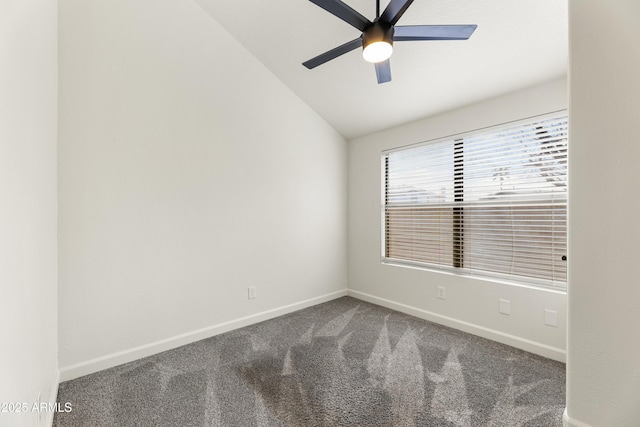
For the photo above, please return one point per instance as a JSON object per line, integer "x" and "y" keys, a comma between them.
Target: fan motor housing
{"x": 379, "y": 31}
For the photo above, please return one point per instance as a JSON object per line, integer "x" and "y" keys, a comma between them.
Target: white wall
{"x": 604, "y": 171}
{"x": 28, "y": 270}
{"x": 188, "y": 172}
{"x": 471, "y": 304}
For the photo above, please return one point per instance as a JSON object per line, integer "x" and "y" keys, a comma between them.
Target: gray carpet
{"x": 342, "y": 363}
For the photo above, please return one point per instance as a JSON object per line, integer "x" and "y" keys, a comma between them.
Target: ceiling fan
{"x": 378, "y": 36}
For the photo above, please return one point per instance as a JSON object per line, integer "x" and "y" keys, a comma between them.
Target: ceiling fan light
{"x": 377, "y": 51}
{"x": 377, "y": 42}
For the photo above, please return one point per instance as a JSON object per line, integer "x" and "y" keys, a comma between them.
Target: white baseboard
{"x": 567, "y": 421}
{"x": 115, "y": 359}
{"x": 512, "y": 340}
{"x": 48, "y": 415}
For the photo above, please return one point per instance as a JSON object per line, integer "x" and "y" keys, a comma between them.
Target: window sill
{"x": 450, "y": 271}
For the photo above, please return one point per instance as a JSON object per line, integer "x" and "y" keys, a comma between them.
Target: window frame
{"x": 493, "y": 276}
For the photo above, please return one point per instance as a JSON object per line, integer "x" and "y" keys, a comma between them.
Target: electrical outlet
{"x": 551, "y": 318}
{"x": 505, "y": 307}
{"x": 251, "y": 292}
{"x": 442, "y": 292}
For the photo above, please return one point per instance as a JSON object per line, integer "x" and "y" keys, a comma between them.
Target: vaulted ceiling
{"x": 518, "y": 43}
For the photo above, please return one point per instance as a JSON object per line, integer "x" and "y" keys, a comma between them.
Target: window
{"x": 490, "y": 203}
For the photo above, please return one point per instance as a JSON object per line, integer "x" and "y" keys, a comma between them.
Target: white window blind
{"x": 487, "y": 203}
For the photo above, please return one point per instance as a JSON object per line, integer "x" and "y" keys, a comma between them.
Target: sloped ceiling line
{"x": 518, "y": 43}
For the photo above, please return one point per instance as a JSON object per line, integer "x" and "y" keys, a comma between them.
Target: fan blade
{"x": 344, "y": 12}
{"x": 394, "y": 11}
{"x": 404, "y": 33}
{"x": 383, "y": 71}
{"x": 333, "y": 53}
